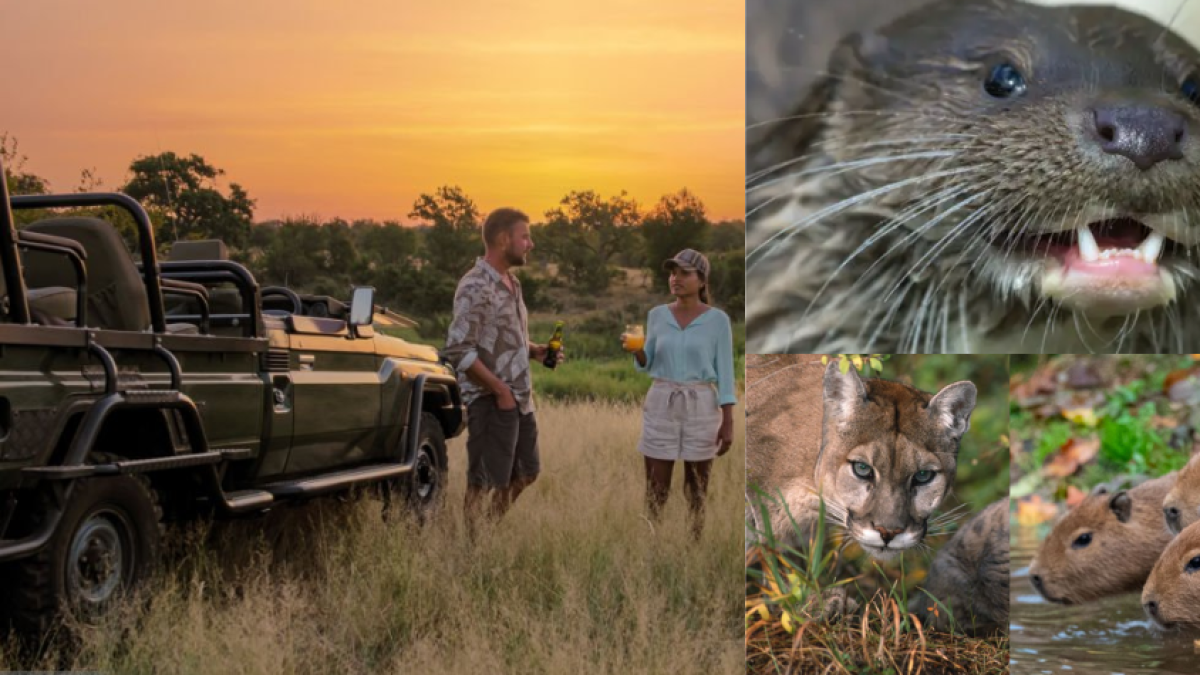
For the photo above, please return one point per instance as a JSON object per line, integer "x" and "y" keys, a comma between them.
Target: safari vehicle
{"x": 132, "y": 394}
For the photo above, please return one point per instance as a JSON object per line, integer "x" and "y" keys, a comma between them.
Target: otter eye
{"x": 1082, "y": 540}
{"x": 862, "y": 470}
{"x": 1191, "y": 90}
{"x": 1193, "y": 565}
{"x": 1005, "y": 81}
{"x": 923, "y": 476}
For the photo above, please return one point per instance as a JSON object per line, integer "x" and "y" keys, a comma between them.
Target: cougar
{"x": 881, "y": 454}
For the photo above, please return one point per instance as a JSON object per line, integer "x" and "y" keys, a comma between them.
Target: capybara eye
{"x": 1191, "y": 89}
{"x": 1193, "y": 565}
{"x": 923, "y": 476}
{"x": 1005, "y": 81}
{"x": 863, "y": 470}
{"x": 1082, "y": 540}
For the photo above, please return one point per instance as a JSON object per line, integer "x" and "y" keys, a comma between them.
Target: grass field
{"x": 574, "y": 580}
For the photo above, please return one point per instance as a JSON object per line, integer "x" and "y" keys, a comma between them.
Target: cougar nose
{"x": 887, "y": 535}
{"x": 1145, "y": 134}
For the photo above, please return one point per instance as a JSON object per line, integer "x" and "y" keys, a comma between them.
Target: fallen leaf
{"x": 1073, "y": 454}
{"x": 1033, "y": 390}
{"x": 1085, "y": 416}
{"x": 1075, "y": 496}
{"x": 1164, "y": 422}
{"x": 1084, "y": 375}
{"x": 1035, "y": 510}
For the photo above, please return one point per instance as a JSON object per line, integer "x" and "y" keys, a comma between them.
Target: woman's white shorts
{"x": 680, "y": 421}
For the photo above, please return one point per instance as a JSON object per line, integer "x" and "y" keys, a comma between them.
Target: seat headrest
{"x": 208, "y": 249}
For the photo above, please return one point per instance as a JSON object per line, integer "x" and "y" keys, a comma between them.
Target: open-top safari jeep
{"x": 132, "y": 393}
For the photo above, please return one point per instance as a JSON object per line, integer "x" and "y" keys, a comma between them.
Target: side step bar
{"x": 305, "y": 487}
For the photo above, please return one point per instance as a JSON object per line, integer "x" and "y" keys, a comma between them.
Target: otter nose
{"x": 1145, "y": 134}
{"x": 888, "y": 535}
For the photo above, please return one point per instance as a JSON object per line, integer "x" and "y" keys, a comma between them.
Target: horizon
{"x": 352, "y": 112}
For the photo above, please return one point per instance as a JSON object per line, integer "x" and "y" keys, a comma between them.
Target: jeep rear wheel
{"x": 106, "y": 544}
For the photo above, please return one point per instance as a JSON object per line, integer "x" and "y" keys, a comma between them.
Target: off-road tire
{"x": 100, "y": 511}
{"x": 422, "y": 491}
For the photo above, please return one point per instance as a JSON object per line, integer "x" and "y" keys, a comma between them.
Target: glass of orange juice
{"x": 634, "y": 336}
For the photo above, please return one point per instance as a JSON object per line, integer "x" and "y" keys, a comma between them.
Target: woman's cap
{"x": 689, "y": 259}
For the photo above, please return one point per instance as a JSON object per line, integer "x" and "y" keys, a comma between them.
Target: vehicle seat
{"x": 116, "y": 291}
{"x": 221, "y": 300}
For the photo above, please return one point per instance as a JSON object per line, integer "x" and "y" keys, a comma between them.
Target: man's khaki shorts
{"x": 502, "y": 445}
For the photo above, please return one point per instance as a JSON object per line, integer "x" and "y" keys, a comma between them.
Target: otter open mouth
{"x": 1107, "y": 267}
{"x": 1108, "y": 244}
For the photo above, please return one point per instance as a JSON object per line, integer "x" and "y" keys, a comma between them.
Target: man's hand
{"x": 505, "y": 400}
{"x": 538, "y": 353}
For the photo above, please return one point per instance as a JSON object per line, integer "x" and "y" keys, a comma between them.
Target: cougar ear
{"x": 952, "y": 407}
{"x": 844, "y": 392}
{"x": 792, "y": 135}
{"x": 1121, "y": 505}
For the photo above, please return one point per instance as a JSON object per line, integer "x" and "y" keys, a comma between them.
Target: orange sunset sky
{"x": 354, "y": 109}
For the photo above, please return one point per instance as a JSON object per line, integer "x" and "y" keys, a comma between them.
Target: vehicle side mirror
{"x": 362, "y": 310}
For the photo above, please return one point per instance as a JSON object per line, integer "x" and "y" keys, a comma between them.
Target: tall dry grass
{"x": 574, "y": 580}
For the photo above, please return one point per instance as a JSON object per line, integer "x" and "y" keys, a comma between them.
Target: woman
{"x": 688, "y": 414}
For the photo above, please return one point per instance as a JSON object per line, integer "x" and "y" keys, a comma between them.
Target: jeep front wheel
{"x": 106, "y": 544}
{"x": 422, "y": 491}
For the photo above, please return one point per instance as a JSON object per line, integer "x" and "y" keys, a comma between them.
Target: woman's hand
{"x": 725, "y": 434}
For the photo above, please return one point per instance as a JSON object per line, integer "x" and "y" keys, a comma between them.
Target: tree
{"x": 728, "y": 235}
{"x": 586, "y": 232}
{"x": 19, "y": 182}
{"x": 184, "y": 191}
{"x": 677, "y": 222}
{"x": 452, "y": 240}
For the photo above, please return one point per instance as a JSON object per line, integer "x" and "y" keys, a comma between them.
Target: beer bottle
{"x": 551, "y": 360}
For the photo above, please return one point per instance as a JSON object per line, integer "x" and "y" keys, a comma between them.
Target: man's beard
{"x": 515, "y": 259}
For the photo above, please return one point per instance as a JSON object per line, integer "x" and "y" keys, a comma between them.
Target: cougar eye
{"x": 862, "y": 470}
{"x": 923, "y": 476}
{"x": 1193, "y": 565}
{"x": 1005, "y": 81}
{"x": 1191, "y": 89}
{"x": 1082, "y": 540}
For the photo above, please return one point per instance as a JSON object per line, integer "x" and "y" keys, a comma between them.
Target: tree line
{"x": 581, "y": 244}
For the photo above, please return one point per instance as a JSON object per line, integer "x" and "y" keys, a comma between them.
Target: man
{"x": 488, "y": 343}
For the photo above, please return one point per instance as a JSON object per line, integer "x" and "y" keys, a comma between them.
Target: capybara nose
{"x": 1172, "y": 515}
{"x": 1037, "y": 583}
{"x": 1151, "y": 608}
{"x": 1145, "y": 134}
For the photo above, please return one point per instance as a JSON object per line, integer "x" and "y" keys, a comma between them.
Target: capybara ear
{"x": 1100, "y": 489}
{"x": 952, "y": 406}
{"x": 1121, "y": 505}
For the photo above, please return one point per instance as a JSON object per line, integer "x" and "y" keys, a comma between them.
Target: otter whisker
{"x": 791, "y": 230}
{"x": 844, "y": 167}
{"x": 762, "y": 173}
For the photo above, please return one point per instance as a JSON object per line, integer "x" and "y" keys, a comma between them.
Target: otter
{"x": 1181, "y": 506}
{"x": 983, "y": 176}
{"x": 1171, "y": 597}
{"x": 1104, "y": 546}
{"x": 969, "y": 577}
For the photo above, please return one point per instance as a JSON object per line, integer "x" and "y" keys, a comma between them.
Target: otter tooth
{"x": 1088, "y": 249}
{"x": 1152, "y": 247}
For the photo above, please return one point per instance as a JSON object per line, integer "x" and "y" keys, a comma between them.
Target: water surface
{"x": 1107, "y": 636}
